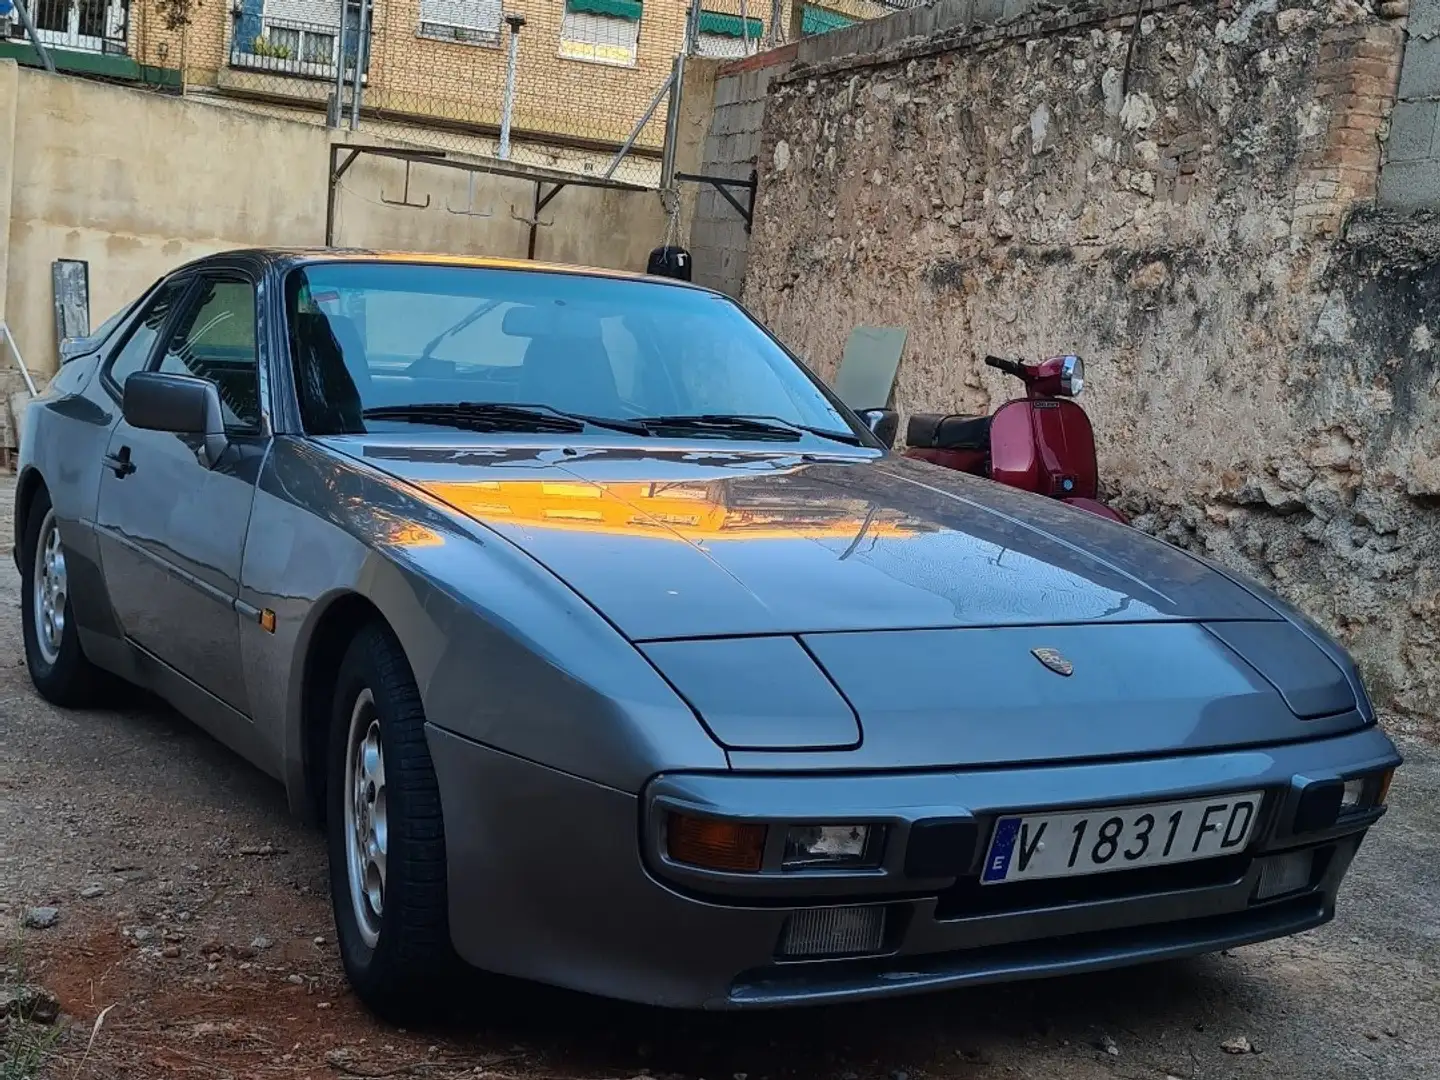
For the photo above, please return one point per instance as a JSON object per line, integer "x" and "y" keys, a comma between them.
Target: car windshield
{"x": 383, "y": 346}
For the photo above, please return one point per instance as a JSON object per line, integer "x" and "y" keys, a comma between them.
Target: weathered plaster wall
{"x": 138, "y": 183}
{"x": 1263, "y": 381}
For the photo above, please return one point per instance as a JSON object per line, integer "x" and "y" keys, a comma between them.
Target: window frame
{"x": 141, "y": 308}
{"x": 232, "y": 275}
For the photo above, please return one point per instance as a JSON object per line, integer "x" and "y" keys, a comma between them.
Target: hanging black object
{"x": 669, "y": 261}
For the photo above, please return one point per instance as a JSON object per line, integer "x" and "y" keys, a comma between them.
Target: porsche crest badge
{"x": 1052, "y": 659}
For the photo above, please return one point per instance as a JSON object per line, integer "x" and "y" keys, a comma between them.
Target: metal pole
{"x": 672, "y": 121}
{"x": 362, "y": 53}
{"x": 745, "y": 26}
{"x": 639, "y": 127}
{"x": 19, "y": 360}
{"x": 336, "y": 118}
{"x": 777, "y": 17}
{"x": 516, "y": 22}
{"x": 34, "y": 40}
{"x": 692, "y": 28}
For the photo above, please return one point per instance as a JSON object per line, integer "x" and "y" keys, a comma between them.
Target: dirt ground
{"x": 195, "y": 911}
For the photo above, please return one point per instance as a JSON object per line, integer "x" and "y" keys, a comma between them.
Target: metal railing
{"x": 97, "y": 26}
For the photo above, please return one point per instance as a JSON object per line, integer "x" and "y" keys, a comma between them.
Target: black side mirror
{"x": 884, "y": 424}
{"x": 158, "y": 401}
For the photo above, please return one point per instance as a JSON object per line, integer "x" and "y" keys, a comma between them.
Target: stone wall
{"x": 1186, "y": 202}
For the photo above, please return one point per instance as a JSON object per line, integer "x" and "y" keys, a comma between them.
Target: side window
{"x": 215, "y": 340}
{"x": 131, "y": 356}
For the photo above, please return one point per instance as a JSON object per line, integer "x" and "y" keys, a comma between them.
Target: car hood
{"x": 673, "y": 541}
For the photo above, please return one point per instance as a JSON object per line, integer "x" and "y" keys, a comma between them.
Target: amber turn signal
{"x": 715, "y": 845}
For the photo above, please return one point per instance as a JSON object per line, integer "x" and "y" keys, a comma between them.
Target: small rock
{"x": 319, "y": 939}
{"x": 90, "y": 892}
{"x": 262, "y": 849}
{"x": 261, "y": 943}
{"x": 41, "y": 918}
{"x": 899, "y": 1074}
{"x": 211, "y": 946}
{"x": 322, "y": 1004}
{"x": 170, "y": 952}
{"x": 1108, "y": 1045}
{"x": 1391, "y": 1030}
{"x": 141, "y": 934}
{"x": 297, "y": 980}
{"x": 1238, "y": 1045}
{"x": 122, "y": 867}
{"x": 33, "y": 1003}
{"x": 242, "y": 952}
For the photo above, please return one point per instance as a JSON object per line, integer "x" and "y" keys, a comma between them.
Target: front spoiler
{"x": 549, "y": 881}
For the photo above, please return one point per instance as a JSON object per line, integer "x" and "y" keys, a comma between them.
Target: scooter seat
{"x": 937, "y": 431}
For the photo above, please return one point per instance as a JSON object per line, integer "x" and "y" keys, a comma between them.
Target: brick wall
{"x": 1359, "y": 67}
{"x": 464, "y": 83}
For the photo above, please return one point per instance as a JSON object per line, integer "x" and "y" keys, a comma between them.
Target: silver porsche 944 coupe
{"x": 614, "y": 652}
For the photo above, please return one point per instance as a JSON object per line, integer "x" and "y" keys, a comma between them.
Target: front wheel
{"x": 58, "y": 665}
{"x": 385, "y": 832}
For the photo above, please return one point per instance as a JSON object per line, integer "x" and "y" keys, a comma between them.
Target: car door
{"x": 172, "y": 528}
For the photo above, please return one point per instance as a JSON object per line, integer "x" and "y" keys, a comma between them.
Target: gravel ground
{"x": 194, "y": 910}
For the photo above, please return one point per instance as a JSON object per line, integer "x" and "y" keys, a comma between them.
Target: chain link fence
{"x": 557, "y": 84}
{"x": 589, "y": 78}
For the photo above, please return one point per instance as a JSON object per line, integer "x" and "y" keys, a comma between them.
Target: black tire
{"x": 398, "y": 974}
{"x": 67, "y": 678}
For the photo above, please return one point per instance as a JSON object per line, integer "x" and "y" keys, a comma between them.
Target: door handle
{"x": 120, "y": 463}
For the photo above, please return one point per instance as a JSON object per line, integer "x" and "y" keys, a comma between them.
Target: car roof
{"x": 285, "y": 258}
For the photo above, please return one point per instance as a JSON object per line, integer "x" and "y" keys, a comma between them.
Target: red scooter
{"x": 1042, "y": 442}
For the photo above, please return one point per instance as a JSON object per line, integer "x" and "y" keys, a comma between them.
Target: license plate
{"x": 1033, "y": 846}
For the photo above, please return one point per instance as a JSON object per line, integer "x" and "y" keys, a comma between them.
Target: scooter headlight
{"x": 1072, "y": 376}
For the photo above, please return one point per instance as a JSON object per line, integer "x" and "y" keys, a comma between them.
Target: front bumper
{"x": 549, "y": 878}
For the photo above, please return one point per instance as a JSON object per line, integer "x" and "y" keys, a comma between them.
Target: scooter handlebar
{"x": 1010, "y": 367}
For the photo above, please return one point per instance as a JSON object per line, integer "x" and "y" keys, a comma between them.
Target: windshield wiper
{"x": 744, "y": 426}
{"x": 490, "y": 415}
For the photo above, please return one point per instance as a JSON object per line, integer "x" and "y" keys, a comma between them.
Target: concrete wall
{"x": 137, "y": 183}
{"x": 718, "y": 236}
{"x": 1411, "y": 178}
{"x": 1261, "y": 342}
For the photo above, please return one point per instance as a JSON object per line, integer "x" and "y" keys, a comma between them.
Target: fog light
{"x": 715, "y": 845}
{"x": 834, "y": 931}
{"x": 1281, "y": 874}
{"x": 826, "y": 845}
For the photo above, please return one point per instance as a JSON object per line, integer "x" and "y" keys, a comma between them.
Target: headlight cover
{"x": 813, "y": 847}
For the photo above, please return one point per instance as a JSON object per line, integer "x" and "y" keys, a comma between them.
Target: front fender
{"x": 504, "y": 653}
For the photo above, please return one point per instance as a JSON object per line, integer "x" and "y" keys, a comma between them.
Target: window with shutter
{"x": 474, "y": 22}
{"x": 726, "y": 35}
{"x": 601, "y": 31}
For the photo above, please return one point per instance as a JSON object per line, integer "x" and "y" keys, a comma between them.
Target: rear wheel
{"x": 58, "y": 666}
{"x": 385, "y": 832}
